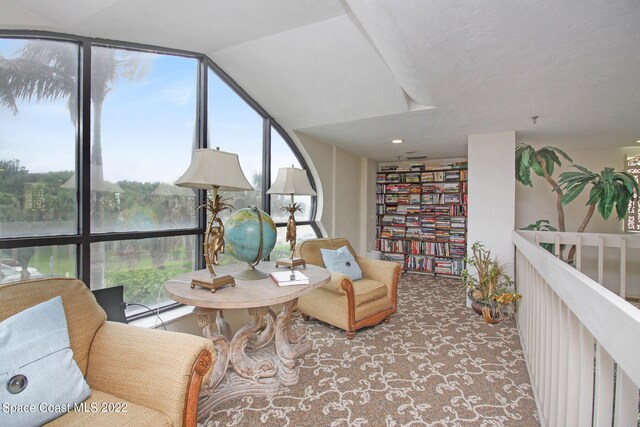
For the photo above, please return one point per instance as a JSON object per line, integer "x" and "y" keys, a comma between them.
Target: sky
{"x": 147, "y": 125}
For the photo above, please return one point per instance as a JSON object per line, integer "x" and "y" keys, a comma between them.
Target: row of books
{"x": 448, "y": 266}
{"x": 424, "y": 199}
{"x": 385, "y": 245}
{"x": 445, "y": 222}
{"x": 421, "y": 166}
{"x": 419, "y": 263}
{"x": 413, "y": 177}
{"x": 457, "y": 210}
{"x": 443, "y": 199}
{"x": 434, "y": 265}
{"x": 392, "y": 232}
{"x": 402, "y": 188}
{"x": 444, "y": 187}
{"x": 416, "y": 177}
{"x": 421, "y": 234}
{"x": 433, "y": 248}
{"x": 398, "y": 220}
{"x": 415, "y": 247}
{"x": 402, "y": 199}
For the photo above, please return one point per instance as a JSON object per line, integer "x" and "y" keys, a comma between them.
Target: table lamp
{"x": 292, "y": 181}
{"x": 218, "y": 171}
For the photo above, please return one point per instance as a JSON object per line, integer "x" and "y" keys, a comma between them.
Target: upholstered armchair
{"x": 154, "y": 375}
{"x": 347, "y": 304}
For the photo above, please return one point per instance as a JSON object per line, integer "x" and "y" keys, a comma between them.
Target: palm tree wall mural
{"x": 607, "y": 190}
{"x": 48, "y": 71}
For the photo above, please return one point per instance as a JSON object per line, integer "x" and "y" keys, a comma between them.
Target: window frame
{"x": 83, "y": 238}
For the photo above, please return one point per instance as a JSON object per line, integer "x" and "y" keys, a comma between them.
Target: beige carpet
{"x": 435, "y": 364}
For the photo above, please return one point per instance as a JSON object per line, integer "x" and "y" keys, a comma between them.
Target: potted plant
{"x": 488, "y": 285}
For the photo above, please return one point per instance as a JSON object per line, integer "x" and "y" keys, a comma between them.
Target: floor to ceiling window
{"x": 92, "y": 138}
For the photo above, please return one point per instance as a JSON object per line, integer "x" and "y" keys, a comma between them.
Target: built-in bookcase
{"x": 422, "y": 217}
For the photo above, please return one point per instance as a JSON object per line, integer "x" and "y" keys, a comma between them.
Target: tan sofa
{"x": 156, "y": 375}
{"x": 346, "y": 304}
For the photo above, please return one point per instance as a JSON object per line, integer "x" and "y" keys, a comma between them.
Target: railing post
{"x": 623, "y": 268}
{"x": 578, "y": 254}
{"x": 603, "y": 387}
{"x": 601, "y": 260}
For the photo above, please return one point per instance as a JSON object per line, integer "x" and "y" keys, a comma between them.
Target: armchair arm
{"x": 156, "y": 369}
{"x": 387, "y": 272}
{"x": 335, "y": 285}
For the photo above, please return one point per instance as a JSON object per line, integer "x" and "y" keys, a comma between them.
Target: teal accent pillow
{"x": 341, "y": 261}
{"x": 39, "y": 380}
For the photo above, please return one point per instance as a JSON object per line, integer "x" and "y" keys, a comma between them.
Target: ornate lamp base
{"x": 215, "y": 282}
{"x": 291, "y": 262}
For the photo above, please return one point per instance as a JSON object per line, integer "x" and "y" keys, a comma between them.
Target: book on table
{"x": 289, "y": 277}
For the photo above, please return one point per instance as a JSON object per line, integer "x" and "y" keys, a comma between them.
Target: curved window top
{"x": 214, "y": 105}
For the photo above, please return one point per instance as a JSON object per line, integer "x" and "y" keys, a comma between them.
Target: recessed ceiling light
{"x": 397, "y": 141}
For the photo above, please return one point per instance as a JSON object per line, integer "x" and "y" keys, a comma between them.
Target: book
{"x": 283, "y": 278}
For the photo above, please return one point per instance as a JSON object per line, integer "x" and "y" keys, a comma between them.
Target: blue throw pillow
{"x": 39, "y": 380}
{"x": 341, "y": 261}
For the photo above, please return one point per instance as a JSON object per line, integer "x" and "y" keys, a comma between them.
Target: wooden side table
{"x": 270, "y": 363}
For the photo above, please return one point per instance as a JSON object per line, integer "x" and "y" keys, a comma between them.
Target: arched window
{"x": 86, "y": 181}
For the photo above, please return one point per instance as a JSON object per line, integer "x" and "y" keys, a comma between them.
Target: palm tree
{"x": 543, "y": 163}
{"x": 609, "y": 189}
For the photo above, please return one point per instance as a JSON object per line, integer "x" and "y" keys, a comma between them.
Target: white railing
{"x": 581, "y": 342}
{"x": 624, "y": 249}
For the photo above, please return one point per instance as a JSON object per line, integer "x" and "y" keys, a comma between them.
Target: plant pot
{"x": 487, "y": 311}
{"x": 477, "y": 306}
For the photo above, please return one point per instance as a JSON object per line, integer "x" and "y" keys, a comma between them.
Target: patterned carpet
{"x": 436, "y": 363}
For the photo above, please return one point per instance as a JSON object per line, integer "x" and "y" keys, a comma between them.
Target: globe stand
{"x": 251, "y": 274}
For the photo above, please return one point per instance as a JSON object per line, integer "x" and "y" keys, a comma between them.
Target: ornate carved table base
{"x": 271, "y": 365}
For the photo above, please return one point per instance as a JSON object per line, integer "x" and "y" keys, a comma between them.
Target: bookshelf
{"x": 422, "y": 217}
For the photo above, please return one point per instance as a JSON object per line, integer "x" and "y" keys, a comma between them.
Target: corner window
{"x": 132, "y": 226}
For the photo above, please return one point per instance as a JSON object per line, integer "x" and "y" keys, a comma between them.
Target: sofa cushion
{"x": 367, "y": 290}
{"x": 37, "y": 369}
{"x": 104, "y": 409}
{"x": 84, "y": 315}
{"x": 341, "y": 261}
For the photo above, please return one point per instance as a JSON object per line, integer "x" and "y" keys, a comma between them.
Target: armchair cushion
{"x": 367, "y": 290}
{"x": 341, "y": 261}
{"x": 36, "y": 358}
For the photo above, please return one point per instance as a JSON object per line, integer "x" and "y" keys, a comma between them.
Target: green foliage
{"x": 490, "y": 275}
{"x": 609, "y": 189}
{"x": 141, "y": 286}
{"x": 542, "y": 161}
{"x": 280, "y": 251}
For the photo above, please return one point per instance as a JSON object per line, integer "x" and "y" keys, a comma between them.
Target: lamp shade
{"x": 214, "y": 168}
{"x": 292, "y": 181}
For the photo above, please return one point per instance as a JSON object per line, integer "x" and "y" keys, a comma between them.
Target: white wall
{"x": 348, "y": 192}
{"x": 491, "y": 202}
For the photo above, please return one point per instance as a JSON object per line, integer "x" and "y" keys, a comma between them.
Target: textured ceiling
{"x": 357, "y": 73}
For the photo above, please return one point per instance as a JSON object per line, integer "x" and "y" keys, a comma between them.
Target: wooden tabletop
{"x": 246, "y": 293}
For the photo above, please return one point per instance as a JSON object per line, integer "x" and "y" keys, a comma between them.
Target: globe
{"x": 242, "y": 235}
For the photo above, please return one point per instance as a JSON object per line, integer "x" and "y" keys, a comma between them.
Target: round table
{"x": 272, "y": 362}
